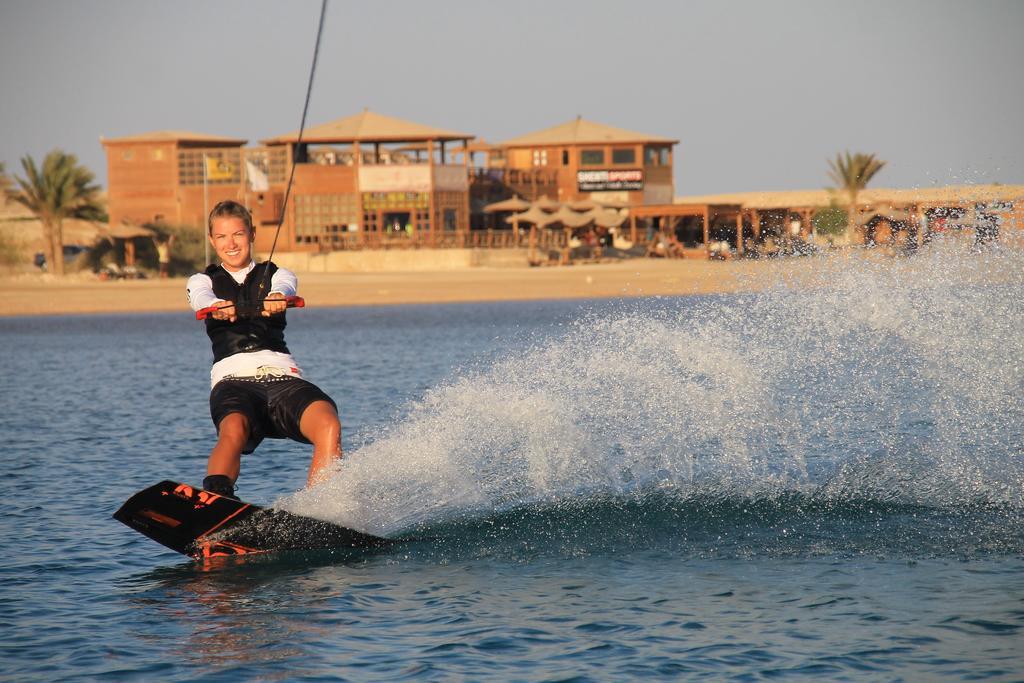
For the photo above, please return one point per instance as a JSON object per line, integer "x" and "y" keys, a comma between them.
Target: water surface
{"x": 817, "y": 484}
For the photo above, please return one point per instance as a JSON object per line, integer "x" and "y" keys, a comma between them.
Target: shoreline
{"x": 85, "y": 294}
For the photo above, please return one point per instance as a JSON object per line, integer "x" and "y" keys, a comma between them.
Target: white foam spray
{"x": 893, "y": 379}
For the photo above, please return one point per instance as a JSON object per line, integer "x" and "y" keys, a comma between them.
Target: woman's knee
{"x": 320, "y": 421}
{"x": 233, "y": 427}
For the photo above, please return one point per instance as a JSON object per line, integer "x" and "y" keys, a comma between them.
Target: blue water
{"x": 819, "y": 481}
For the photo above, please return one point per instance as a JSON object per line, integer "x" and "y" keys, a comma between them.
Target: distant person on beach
{"x": 257, "y": 387}
{"x": 163, "y": 254}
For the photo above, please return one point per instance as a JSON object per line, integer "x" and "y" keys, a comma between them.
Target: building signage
{"x": 602, "y": 181}
{"x": 373, "y": 201}
{"x": 451, "y": 179}
{"x": 394, "y": 178}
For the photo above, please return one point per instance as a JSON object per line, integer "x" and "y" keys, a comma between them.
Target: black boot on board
{"x": 221, "y": 485}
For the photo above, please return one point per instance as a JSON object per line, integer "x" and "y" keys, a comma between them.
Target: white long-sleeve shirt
{"x": 199, "y": 290}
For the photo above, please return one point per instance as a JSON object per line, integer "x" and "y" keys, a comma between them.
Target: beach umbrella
{"x": 569, "y": 220}
{"x": 533, "y": 216}
{"x": 614, "y": 203}
{"x": 584, "y": 205}
{"x": 512, "y": 204}
{"x": 545, "y": 203}
{"x": 567, "y": 217}
{"x": 606, "y": 218}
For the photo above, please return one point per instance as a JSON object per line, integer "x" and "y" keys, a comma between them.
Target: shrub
{"x": 188, "y": 253}
{"x": 187, "y": 250}
{"x": 829, "y": 221}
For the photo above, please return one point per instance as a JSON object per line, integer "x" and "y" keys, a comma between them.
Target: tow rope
{"x": 298, "y": 144}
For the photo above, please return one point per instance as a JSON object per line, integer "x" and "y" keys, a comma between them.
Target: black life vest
{"x": 245, "y": 334}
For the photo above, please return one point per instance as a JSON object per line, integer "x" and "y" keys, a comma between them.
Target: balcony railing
{"x": 498, "y": 183}
{"x": 475, "y": 239}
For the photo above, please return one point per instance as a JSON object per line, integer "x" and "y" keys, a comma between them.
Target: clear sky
{"x": 759, "y": 93}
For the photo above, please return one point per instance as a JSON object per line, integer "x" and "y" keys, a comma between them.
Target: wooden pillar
{"x": 707, "y": 230}
{"x": 467, "y": 215}
{"x": 632, "y": 227}
{"x": 921, "y": 221}
{"x": 431, "y": 206}
{"x": 465, "y": 204}
{"x": 739, "y": 233}
{"x": 755, "y": 222}
{"x": 356, "y": 154}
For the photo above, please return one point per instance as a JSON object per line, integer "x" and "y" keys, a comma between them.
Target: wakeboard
{"x": 203, "y": 525}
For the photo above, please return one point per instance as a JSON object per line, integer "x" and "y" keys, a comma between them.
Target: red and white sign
{"x": 602, "y": 181}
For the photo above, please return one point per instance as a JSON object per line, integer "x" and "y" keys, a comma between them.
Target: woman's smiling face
{"x": 232, "y": 240}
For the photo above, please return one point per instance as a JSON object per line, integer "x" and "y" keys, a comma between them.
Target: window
{"x": 370, "y": 221}
{"x": 565, "y": 157}
{"x": 158, "y": 155}
{"x": 449, "y": 220}
{"x": 656, "y": 156}
{"x": 591, "y": 157}
{"x": 624, "y": 156}
{"x": 320, "y": 218}
{"x": 540, "y": 157}
{"x": 214, "y": 166}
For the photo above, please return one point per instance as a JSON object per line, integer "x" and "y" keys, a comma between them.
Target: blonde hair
{"x": 230, "y": 209}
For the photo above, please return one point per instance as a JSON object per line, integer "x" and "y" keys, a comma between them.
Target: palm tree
{"x": 60, "y": 189}
{"x": 851, "y": 174}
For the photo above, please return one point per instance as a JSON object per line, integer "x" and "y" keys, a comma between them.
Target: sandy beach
{"x": 83, "y": 293}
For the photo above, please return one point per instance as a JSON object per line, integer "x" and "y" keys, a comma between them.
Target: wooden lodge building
{"x": 581, "y": 159}
{"x": 158, "y": 177}
{"x": 758, "y": 221}
{"x": 370, "y": 181}
{"x": 365, "y": 180}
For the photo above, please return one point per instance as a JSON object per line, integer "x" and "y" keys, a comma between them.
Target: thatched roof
{"x": 185, "y": 136}
{"x": 533, "y": 216}
{"x": 125, "y": 231}
{"x": 21, "y": 226}
{"x": 606, "y": 218}
{"x": 368, "y": 126}
{"x": 583, "y": 205}
{"x": 579, "y": 131}
{"x": 765, "y": 200}
{"x": 511, "y": 204}
{"x": 566, "y": 217}
{"x": 793, "y": 199}
{"x": 547, "y": 203}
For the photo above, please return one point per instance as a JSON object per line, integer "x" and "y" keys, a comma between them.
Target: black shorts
{"x": 273, "y": 406}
